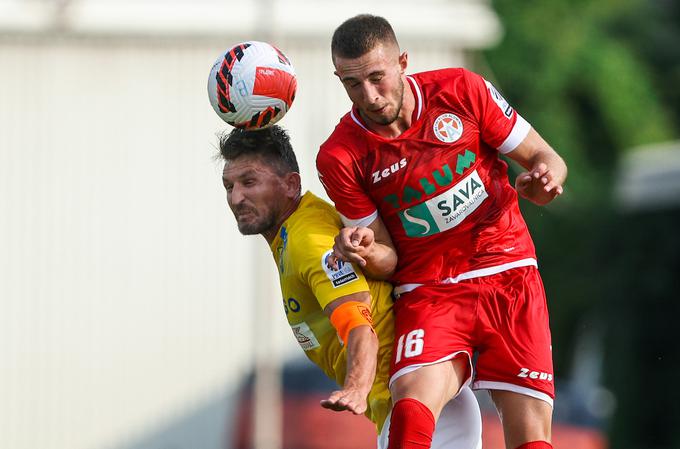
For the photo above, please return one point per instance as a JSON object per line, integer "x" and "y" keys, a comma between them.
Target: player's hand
{"x": 353, "y": 245}
{"x": 351, "y": 400}
{"x": 538, "y": 185}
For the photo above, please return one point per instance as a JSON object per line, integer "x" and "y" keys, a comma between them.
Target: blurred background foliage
{"x": 597, "y": 79}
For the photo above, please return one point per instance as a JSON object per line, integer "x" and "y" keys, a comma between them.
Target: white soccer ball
{"x": 252, "y": 85}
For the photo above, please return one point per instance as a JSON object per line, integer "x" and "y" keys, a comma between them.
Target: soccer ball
{"x": 252, "y": 85}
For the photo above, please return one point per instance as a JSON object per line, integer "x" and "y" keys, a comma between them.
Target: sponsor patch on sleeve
{"x": 304, "y": 336}
{"x": 343, "y": 275}
{"x": 500, "y": 101}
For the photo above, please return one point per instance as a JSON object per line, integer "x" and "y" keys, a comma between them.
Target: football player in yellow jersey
{"x": 342, "y": 320}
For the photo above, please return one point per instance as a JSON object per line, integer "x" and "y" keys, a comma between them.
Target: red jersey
{"x": 439, "y": 187}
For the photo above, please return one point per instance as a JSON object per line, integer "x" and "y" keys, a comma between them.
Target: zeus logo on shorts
{"x": 527, "y": 373}
{"x": 343, "y": 275}
{"x": 446, "y": 210}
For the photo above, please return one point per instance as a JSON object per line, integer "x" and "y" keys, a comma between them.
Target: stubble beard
{"x": 391, "y": 119}
{"x": 258, "y": 226}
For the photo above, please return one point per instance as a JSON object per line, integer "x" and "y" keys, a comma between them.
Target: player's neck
{"x": 271, "y": 234}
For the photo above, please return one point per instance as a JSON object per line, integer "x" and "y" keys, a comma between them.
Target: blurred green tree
{"x": 595, "y": 79}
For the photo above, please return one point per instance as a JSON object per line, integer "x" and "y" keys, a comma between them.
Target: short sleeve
{"x": 500, "y": 125}
{"x": 338, "y": 173}
{"x": 311, "y": 255}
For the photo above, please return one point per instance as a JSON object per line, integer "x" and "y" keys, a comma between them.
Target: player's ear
{"x": 293, "y": 183}
{"x": 403, "y": 61}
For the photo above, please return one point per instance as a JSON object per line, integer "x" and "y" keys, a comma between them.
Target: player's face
{"x": 375, "y": 82}
{"x": 254, "y": 194}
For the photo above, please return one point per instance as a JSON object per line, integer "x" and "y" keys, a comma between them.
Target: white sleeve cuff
{"x": 516, "y": 136}
{"x": 363, "y": 222}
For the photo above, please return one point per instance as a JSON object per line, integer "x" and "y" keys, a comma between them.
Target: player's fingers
{"x": 332, "y": 406}
{"x": 349, "y": 232}
{"x": 357, "y": 259}
{"x": 333, "y": 401}
{"x": 550, "y": 186}
{"x": 539, "y": 170}
{"x": 325, "y": 403}
{"x": 345, "y": 398}
{"x": 355, "y": 239}
{"x": 546, "y": 177}
{"x": 334, "y": 396}
{"x": 343, "y": 237}
{"x": 523, "y": 179}
{"x": 343, "y": 241}
{"x": 341, "y": 251}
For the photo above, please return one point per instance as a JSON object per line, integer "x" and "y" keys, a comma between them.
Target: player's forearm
{"x": 555, "y": 164}
{"x": 534, "y": 150}
{"x": 362, "y": 355}
{"x": 381, "y": 262}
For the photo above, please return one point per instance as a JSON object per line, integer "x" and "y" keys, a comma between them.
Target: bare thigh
{"x": 524, "y": 418}
{"x": 432, "y": 385}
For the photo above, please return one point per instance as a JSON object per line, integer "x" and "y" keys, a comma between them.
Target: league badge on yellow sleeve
{"x": 343, "y": 275}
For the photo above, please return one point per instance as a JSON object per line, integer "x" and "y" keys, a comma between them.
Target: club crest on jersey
{"x": 343, "y": 275}
{"x": 448, "y": 128}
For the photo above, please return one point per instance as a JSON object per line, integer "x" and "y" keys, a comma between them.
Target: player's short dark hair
{"x": 272, "y": 144}
{"x": 360, "y": 34}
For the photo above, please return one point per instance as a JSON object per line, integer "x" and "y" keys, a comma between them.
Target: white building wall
{"x": 126, "y": 290}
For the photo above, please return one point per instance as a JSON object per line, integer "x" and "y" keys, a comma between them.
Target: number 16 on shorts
{"x": 410, "y": 345}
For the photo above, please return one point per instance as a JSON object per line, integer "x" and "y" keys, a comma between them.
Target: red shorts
{"x": 504, "y": 317}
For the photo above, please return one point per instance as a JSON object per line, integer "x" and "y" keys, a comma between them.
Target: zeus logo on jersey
{"x": 343, "y": 275}
{"x": 500, "y": 101}
{"x": 385, "y": 172}
{"x": 446, "y": 210}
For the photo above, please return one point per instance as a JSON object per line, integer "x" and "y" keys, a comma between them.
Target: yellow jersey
{"x": 308, "y": 284}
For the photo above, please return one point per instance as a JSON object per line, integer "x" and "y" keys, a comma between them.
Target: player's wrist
{"x": 362, "y": 389}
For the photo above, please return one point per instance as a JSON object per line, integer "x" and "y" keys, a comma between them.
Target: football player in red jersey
{"x": 414, "y": 171}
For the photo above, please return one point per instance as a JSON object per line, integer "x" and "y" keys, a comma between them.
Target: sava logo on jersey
{"x": 446, "y": 210}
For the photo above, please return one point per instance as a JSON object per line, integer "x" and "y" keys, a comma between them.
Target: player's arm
{"x": 365, "y": 239}
{"x": 370, "y": 247}
{"x": 503, "y": 128}
{"x": 546, "y": 171}
{"x": 351, "y": 317}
